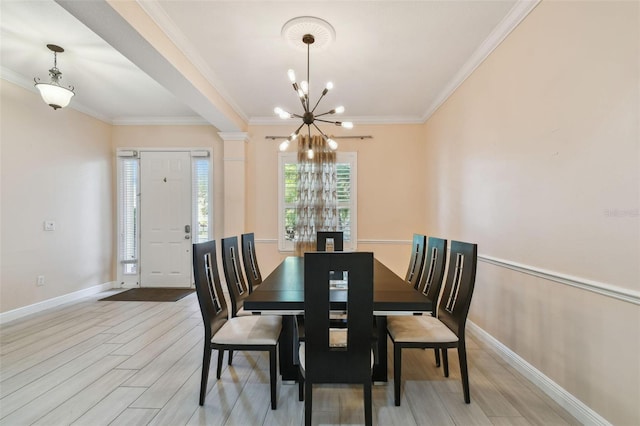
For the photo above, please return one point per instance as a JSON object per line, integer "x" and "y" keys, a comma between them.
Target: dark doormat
{"x": 150, "y": 295}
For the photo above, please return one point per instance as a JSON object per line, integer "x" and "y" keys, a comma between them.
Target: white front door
{"x": 165, "y": 219}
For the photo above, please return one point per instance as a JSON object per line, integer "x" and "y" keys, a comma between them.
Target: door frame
{"x": 133, "y": 280}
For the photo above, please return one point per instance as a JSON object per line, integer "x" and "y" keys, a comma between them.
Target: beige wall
{"x": 391, "y": 187}
{"x": 56, "y": 165}
{"x": 536, "y": 158}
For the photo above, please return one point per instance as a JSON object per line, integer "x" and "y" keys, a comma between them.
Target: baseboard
{"x": 577, "y": 408}
{"x": 56, "y": 301}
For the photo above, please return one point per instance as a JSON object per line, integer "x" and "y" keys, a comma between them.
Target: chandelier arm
{"x": 297, "y": 116}
{"x": 321, "y": 132}
{"x": 298, "y": 129}
{"x": 316, "y": 105}
{"x": 326, "y": 121}
{"x": 333, "y": 111}
{"x": 304, "y": 105}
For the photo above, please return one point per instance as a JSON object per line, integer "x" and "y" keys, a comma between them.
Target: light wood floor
{"x": 137, "y": 363}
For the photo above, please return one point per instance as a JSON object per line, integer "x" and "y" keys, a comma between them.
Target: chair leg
{"x": 230, "y": 357}
{"x": 464, "y": 373}
{"x": 308, "y": 398}
{"x": 220, "y": 355}
{"x": 436, "y": 352}
{"x": 206, "y": 361}
{"x": 397, "y": 372}
{"x": 368, "y": 416}
{"x": 445, "y": 361}
{"x": 300, "y": 386}
{"x": 273, "y": 379}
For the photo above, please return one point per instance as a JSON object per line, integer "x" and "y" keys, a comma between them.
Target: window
{"x": 200, "y": 198}
{"x": 128, "y": 201}
{"x": 346, "y": 173}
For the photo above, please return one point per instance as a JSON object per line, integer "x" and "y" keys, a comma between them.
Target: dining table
{"x": 282, "y": 293}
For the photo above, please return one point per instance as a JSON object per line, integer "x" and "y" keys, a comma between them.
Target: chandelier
{"x": 309, "y": 116}
{"x": 53, "y": 93}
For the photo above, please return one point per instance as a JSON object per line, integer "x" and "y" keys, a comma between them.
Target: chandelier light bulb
{"x": 305, "y": 87}
{"x": 292, "y": 76}
{"x": 301, "y": 93}
{"x": 278, "y": 110}
{"x": 332, "y": 144}
{"x": 347, "y": 125}
{"x": 329, "y": 86}
{"x": 310, "y": 154}
{"x": 339, "y": 110}
{"x": 284, "y": 145}
{"x": 284, "y": 115}
{"x": 293, "y": 136}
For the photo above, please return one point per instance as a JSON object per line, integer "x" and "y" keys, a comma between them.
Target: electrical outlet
{"x": 40, "y": 280}
{"x": 49, "y": 225}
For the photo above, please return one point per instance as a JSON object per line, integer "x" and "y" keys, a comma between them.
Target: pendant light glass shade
{"x": 55, "y": 95}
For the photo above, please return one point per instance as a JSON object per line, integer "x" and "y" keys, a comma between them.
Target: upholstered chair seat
{"x": 420, "y": 329}
{"x": 251, "y": 330}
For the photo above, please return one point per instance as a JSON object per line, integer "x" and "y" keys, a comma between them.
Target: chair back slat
{"x": 433, "y": 272}
{"x": 323, "y": 236}
{"x": 416, "y": 262}
{"x": 236, "y": 285}
{"x": 341, "y": 364}
{"x": 251, "y": 269}
{"x": 458, "y": 289}
{"x": 213, "y": 306}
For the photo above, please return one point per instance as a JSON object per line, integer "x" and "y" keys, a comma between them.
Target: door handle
{"x": 187, "y": 228}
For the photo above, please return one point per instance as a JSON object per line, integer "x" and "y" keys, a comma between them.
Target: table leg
{"x": 380, "y": 369}
{"x": 287, "y": 348}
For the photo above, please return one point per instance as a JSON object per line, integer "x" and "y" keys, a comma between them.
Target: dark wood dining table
{"x": 282, "y": 293}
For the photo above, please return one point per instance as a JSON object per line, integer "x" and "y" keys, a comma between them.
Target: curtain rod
{"x": 333, "y": 137}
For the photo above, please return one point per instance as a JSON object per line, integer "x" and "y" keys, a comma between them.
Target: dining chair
{"x": 430, "y": 282}
{"x": 323, "y": 236}
{"x": 237, "y": 286}
{"x": 416, "y": 262}
{"x": 249, "y": 333}
{"x": 448, "y": 329}
{"x": 251, "y": 269}
{"x": 344, "y": 360}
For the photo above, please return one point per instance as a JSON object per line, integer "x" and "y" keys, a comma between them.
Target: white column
{"x": 234, "y": 182}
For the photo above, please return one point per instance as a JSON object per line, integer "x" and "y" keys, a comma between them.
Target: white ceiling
{"x": 391, "y": 61}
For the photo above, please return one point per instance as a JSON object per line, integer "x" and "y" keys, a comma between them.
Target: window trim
{"x": 341, "y": 157}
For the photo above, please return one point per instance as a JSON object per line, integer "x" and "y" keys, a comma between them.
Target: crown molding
{"x": 517, "y": 13}
{"x": 153, "y": 9}
{"x": 275, "y": 121}
{"x": 161, "y": 121}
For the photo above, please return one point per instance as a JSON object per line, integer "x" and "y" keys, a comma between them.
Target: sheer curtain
{"x": 316, "y": 209}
